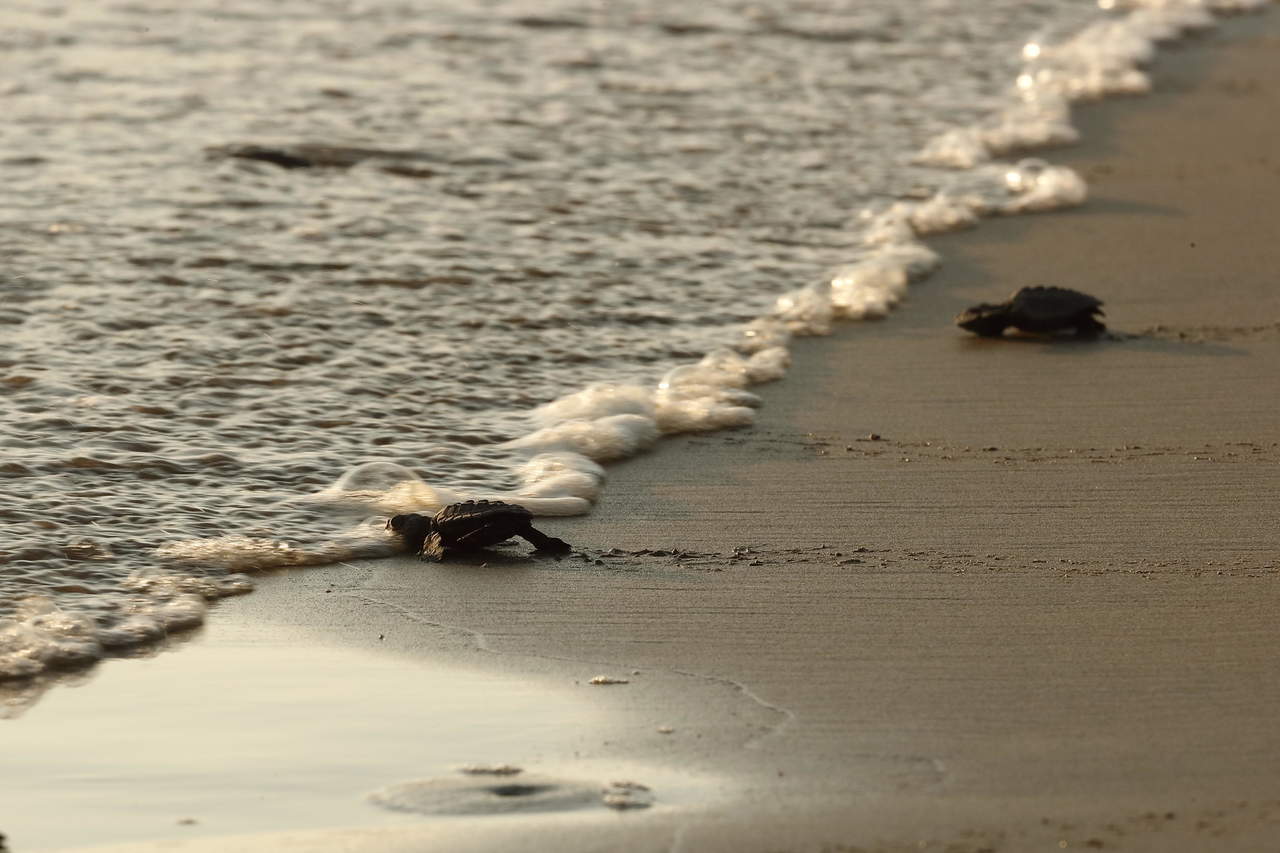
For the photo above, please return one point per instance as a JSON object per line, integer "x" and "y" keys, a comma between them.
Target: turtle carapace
{"x": 468, "y": 526}
{"x": 1039, "y": 310}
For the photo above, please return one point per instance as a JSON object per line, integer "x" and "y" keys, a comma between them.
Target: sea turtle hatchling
{"x": 470, "y": 525}
{"x": 1038, "y": 310}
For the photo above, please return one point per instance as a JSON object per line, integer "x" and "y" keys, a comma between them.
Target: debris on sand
{"x": 490, "y": 769}
{"x": 627, "y": 795}
{"x": 606, "y": 679}
{"x": 455, "y": 795}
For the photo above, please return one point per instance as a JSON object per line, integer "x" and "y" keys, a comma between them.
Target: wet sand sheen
{"x": 242, "y": 732}
{"x": 1039, "y": 610}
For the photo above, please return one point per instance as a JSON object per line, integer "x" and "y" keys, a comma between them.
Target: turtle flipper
{"x": 432, "y": 548}
{"x": 1090, "y": 327}
{"x": 543, "y": 542}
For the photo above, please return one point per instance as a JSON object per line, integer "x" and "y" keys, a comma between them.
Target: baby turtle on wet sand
{"x": 1038, "y": 310}
{"x": 468, "y": 526}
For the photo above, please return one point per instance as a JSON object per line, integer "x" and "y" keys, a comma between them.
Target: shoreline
{"x": 918, "y": 639}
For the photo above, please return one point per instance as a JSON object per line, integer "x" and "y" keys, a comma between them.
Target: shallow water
{"x": 568, "y": 194}
{"x": 274, "y": 746}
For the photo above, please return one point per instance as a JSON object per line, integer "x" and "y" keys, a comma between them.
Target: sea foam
{"x": 1105, "y": 58}
{"x": 42, "y": 636}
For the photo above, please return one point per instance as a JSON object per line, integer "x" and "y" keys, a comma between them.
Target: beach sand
{"x": 1037, "y": 612}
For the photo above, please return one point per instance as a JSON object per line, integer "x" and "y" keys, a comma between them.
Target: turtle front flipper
{"x": 1090, "y": 327}
{"x": 986, "y": 320}
{"x": 543, "y": 542}
{"x": 432, "y": 548}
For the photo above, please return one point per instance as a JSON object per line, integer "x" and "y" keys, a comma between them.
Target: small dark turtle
{"x": 1038, "y": 310}
{"x": 470, "y": 525}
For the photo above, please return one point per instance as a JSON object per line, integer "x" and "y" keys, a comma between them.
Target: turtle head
{"x": 413, "y": 529}
{"x": 985, "y": 319}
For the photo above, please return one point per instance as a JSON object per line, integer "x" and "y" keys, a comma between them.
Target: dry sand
{"x": 1038, "y": 612}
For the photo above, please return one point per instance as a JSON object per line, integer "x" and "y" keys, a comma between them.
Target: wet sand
{"x": 1036, "y": 612}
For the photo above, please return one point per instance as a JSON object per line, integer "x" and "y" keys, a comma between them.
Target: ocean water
{"x": 542, "y": 236}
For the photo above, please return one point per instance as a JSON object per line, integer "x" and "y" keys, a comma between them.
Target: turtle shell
{"x": 1049, "y": 308}
{"x": 478, "y": 524}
